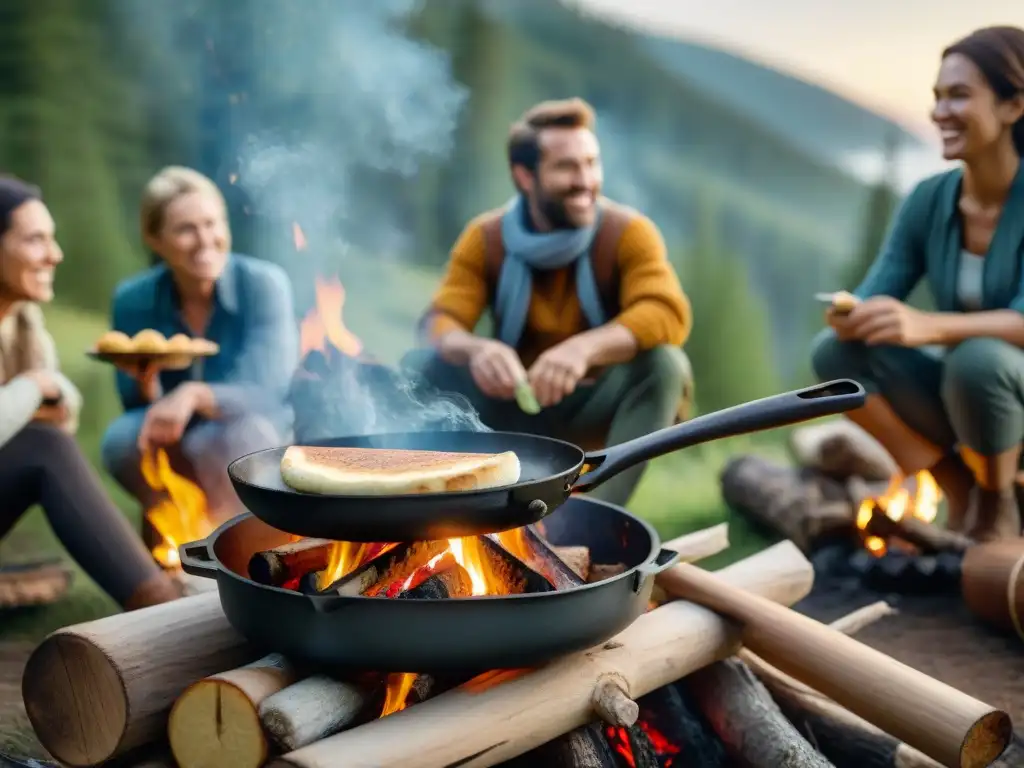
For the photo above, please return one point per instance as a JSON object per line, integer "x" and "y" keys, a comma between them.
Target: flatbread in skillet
{"x": 386, "y": 472}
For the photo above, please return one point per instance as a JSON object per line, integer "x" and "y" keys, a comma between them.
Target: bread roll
{"x": 114, "y": 342}
{"x": 149, "y": 342}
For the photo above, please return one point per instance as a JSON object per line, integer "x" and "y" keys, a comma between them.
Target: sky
{"x": 880, "y": 53}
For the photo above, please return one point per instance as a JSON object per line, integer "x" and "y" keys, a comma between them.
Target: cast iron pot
{"x": 420, "y": 635}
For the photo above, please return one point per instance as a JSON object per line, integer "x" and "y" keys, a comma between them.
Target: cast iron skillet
{"x": 550, "y": 473}
{"x": 459, "y": 634}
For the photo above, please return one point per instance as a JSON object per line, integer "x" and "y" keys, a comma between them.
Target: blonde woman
{"x": 224, "y": 406}
{"x": 40, "y": 462}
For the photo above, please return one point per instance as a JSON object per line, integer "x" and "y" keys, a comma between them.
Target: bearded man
{"x": 586, "y": 308}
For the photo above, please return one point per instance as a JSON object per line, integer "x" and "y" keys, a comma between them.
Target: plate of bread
{"x": 148, "y": 345}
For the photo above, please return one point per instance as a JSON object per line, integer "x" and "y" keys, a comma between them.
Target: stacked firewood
{"x": 744, "y": 680}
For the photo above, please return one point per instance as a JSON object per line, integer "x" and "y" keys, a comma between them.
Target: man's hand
{"x": 57, "y": 415}
{"x": 496, "y": 369}
{"x": 556, "y": 373}
{"x": 167, "y": 418}
{"x": 884, "y": 320}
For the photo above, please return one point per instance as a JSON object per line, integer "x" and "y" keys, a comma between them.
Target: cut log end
{"x": 213, "y": 723}
{"x": 986, "y": 740}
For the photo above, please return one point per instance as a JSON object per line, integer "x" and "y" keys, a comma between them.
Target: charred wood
{"x": 280, "y": 565}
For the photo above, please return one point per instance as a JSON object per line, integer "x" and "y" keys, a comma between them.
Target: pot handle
{"x": 826, "y": 399}
{"x": 197, "y": 560}
{"x": 664, "y": 560}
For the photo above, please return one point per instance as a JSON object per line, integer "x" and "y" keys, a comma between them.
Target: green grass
{"x": 678, "y": 494}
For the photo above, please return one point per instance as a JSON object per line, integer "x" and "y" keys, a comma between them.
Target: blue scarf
{"x": 526, "y": 251}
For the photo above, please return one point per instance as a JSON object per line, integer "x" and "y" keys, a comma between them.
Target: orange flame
{"x": 896, "y": 502}
{"x": 470, "y": 553}
{"x": 324, "y": 326}
{"x": 181, "y": 517}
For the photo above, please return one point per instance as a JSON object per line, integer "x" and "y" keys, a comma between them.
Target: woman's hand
{"x": 884, "y": 320}
{"x": 147, "y": 374}
{"x": 167, "y": 419}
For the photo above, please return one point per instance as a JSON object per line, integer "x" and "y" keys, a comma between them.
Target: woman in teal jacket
{"x": 946, "y": 388}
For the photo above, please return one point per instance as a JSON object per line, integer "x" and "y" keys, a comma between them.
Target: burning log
{"x": 942, "y": 722}
{"x": 387, "y": 571}
{"x": 845, "y": 739}
{"x": 310, "y": 710}
{"x": 874, "y": 521}
{"x": 800, "y": 505}
{"x": 502, "y": 721}
{"x": 216, "y": 720}
{"x": 280, "y": 565}
{"x": 924, "y": 536}
{"x": 453, "y": 581}
{"x": 524, "y": 544}
{"x": 83, "y": 690}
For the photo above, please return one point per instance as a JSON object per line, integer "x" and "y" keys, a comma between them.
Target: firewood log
{"x": 290, "y": 561}
{"x": 310, "y": 710}
{"x": 845, "y": 739}
{"x": 577, "y": 558}
{"x": 947, "y": 725}
{"x": 215, "y": 722}
{"x": 501, "y": 721}
{"x": 99, "y": 689}
{"x": 800, "y": 506}
{"x": 747, "y": 719}
{"x": 840, "y": 449}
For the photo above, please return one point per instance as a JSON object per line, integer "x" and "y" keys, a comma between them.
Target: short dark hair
{"x": 999, "y": 53}
{"x": 524, "y": 135}
{"x": 13, "y": 193}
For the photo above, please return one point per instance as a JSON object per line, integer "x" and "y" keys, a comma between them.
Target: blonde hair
{"x": 168, "y": 185}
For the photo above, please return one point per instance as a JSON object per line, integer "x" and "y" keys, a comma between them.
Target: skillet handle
{"x": 826, "y": 399}
{"x": 664, "y": 560}
{"x": 197, "y": 560}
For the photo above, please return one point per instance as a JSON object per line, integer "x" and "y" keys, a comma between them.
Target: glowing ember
{"x": 664, "y": 749}
{"x": 896, "y": 502}
{"x": 181, "y": 517}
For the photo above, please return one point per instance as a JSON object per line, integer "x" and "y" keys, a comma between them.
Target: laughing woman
{"x": 40, "y": 462}
{"x": 958, "y": 412}
{"x": 226, "y": 405}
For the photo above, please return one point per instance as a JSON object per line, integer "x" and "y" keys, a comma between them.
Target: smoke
{"x": 321, "y": 112}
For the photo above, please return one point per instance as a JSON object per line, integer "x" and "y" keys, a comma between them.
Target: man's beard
{"x": 553, "y": 209}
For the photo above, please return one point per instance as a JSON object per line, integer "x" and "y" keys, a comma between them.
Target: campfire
{"x": 509, "y": 563}
{"x": 848, "y": 505}
{"x": 182, "y": 516}
{"x": 917, "y": 499}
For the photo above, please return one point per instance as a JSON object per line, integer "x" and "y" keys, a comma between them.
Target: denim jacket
{"x": 253, "y": 321}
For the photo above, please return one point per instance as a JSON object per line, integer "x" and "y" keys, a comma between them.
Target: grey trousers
{"x": 972, "y": 395}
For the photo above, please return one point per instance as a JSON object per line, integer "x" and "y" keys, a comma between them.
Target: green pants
{"x": 972, "y": 394}
{"x": 627, "y": 401}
